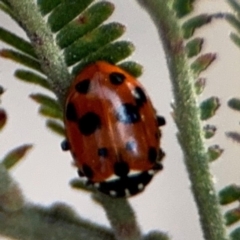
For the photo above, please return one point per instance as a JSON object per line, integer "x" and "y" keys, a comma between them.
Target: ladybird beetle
{"x": 112, "y": 130}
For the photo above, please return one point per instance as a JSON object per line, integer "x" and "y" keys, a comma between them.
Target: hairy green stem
{"x": 36, "y": 223}
{"x": 52, "y": 63}
{"x": 121, "y": 217}
{"x": 186, "y": 115}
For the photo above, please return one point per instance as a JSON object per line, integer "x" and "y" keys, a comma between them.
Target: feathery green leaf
{"x": 233, "y": 21}
{"x": 183, "y": 7}
{"x": 235, "y": 38}
{"x": 17, "y": 42}
{"x": 209, "y": 131}
{"x": 86, "y": 22}
{"x": 214, "y": 152}
{"x": 47, "y": 111}
{"x": 199, "y": 85}
{"x": 47, "y": 6}
{"x": 234, "y": 103}
{"x": 232, "y": 216}
{"x": 196, "y": 22}
{"x": 209, "y": 107}
{"x": 15, "y": 155}
{"x": 21, "y": 58}
{"x": 31, "y": 77}
{"x": 229, "y": 194}
{"x": 234, "y": 4}
{"x": 56, "y": 127}
{"x": 46, "y": 100}
{"x": 193, "y": 47}
{"x": 65, "y": 12}
{"x": 202, "y": 62}
{"x": 111, "y": 53}
{"x": 50, "y": 107}
{"x": 92, "y": 41}
{"x": 235, "y": 136}
{"x": 7, "y": 10}
{"x": 132, "y": 68}
{"x": 235, "y": 234}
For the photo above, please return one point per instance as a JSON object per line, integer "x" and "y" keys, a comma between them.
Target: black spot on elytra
{"x": 131, "y": 146}
{"x": 83, "y": 86}
{"x": 128, "y": 113}
{"x": 152, "y": 154}
{"x": 161, "y": 121}
{"x": 71, "y": 114}
{"x": 139, "y": 96}
{"x": 121, "y": 169}
{"x": 89, "y": 123}
{"x": 102, "y": 152}
{"x": 87, "y": 171}
{"x": 116, "y": 78}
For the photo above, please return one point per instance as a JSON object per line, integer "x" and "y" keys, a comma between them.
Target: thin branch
{"x": 52, "y": 63}
{"x": 121, "y": 217}
{"x": 36, "y": 223}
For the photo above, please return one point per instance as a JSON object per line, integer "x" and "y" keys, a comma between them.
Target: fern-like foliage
{"x": 63, "y": 37}
{"x": 83, "y": 38}
{"x": 199, "y": 62}
{"x": 231, "y": 194}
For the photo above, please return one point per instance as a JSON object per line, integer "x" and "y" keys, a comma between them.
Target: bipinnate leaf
{"x": 65, "y": 12}
{"x": 88, "y": 20}
{"x": 183, "y": 7}
{"x": 214, "y": 152}
{"x": 17, "y": 42}
{"x": 234, "y": 4}
{"x": 47, "y": 6}
{"x": 202, "y": 63}
{"x": 232, "y": 216}
{"x": 234, "y": 103}
{"x": 209, "y": 131}
{"x": 4, "y": 7}
{"x": 155, "y": 235}
{"x": 235, "y": 136}
{"x": 234, "y": 21}
{"x": 229, "y": 194}
{"x": 50, "y": 107}
{"x": 15, "y": 155}
{"x": 199, "y": 85}
{"x": 92, "y": 42}
{"x": 56, "y": 127}
{"x": 133, "y": 68}
{"x": 31, "y": 77}
{"x": 209, "y": 107}
{"x": 194, "y": 47}
{"x": 21, "y": 58}
{"x": 119, "y": 50}
{"x": 193, "y": 23}
{"x": 235, "y": 234}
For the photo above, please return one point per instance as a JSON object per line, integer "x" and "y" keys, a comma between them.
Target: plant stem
{"x": 121, "y": 217}
{"x": 52, "y": 63}
{"x": 186, "y": 115}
